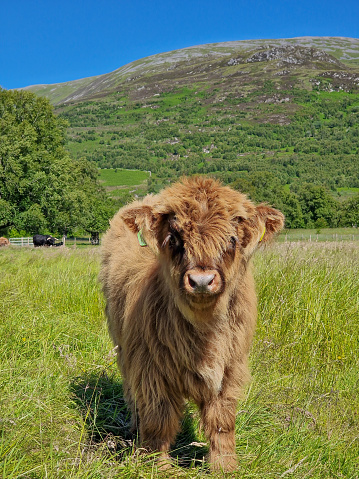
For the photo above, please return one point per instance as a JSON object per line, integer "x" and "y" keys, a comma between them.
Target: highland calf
{"x": 181, "y": 307}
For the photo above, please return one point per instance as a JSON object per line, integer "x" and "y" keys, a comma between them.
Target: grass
{"x": 62, "y": 412}
{"x": 120, "y": 177}
{"x": 347, "y": 192}
{"x": 121, "y": 184}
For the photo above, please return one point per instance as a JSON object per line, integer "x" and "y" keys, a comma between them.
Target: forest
{"x": 296, "y": 149}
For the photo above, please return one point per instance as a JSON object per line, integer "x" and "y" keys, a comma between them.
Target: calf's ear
{"x": 272, "y": 219}
{"x": 144, "y": 222}
{"x": 260, "y": 227}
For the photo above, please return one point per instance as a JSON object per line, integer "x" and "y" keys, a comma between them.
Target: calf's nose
{"x": 202, "y": 282}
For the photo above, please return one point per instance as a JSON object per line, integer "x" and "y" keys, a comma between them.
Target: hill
{"x": 209, "y": 60}
{"x": 267, "y": 116}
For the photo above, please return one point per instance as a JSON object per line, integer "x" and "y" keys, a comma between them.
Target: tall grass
{"x": 62, "y": 412}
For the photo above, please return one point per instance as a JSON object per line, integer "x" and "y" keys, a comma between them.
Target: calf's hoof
{"x": 224, "y": 462}
{"x": 164, "y": 462}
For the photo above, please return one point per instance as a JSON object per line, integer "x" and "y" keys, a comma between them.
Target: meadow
{"x": 119, "y": 177}
{"x": 123, "y": 184}
{"x": 62, "y": 413}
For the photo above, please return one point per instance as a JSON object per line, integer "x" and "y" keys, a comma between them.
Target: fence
{"x": 21, "y": 241}
{"x": 79, "y": 241}
{"x": 317, "y": 237}
{"x": 284, "y": 237}
{"x": 71, "y": 241}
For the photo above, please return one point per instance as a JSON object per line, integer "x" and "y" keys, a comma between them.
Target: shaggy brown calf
{"x": 181, "y": 307}
{"x": 4, "y": 241}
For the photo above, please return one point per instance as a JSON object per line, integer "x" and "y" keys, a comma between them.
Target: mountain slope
{"x": 207, "y": 62}
{"x": 58, "y": 92}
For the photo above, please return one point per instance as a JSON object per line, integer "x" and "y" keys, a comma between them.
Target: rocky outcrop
{"x": 292, "y": 55}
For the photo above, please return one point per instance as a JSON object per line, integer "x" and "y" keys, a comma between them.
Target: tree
{"x": 292, "y": 210}
{"x": 349, "y": 213}
{"x": 41, "y": 187}
{"x": 6, "y": 212}
{"x": 317, "y": 204}
{"x": 97, "y": 216}
{"x": 263, "y": 186}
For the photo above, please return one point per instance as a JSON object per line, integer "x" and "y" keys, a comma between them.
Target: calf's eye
{"x": 174, "y": 242}
{"x": 231, "y": 248}
{"x": 233, "y": 241}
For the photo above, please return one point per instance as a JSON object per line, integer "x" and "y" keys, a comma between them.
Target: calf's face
{"x": 203, "y": 234}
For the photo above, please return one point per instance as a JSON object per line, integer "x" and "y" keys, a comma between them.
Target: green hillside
{"x": 269, "y": 117}
{"x": 60, "y": 91}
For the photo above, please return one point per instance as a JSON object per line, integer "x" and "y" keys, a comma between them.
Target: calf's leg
{"x": 218, "y": 420}
{"x": 159, "y": 425}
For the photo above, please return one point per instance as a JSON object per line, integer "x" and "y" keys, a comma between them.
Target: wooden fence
{"x": 27, "y": 241}
{"x": 21, "y": 241}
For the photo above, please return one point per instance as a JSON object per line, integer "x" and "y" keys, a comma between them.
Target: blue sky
{"x": 56, "y": 41}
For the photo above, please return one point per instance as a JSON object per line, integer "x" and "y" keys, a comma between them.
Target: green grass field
{"x": 347, "y": 192}
{"x": 62, "y": 413}
{"x": 120, "y": 177}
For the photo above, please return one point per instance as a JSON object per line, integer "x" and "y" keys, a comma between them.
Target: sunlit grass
{"x": 62, "y": 412}
{"x": 120, "y": 177}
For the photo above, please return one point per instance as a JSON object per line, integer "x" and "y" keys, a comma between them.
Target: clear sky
{"x": 45, "y": 41}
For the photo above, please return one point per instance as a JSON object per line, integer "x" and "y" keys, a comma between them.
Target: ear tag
{"x": 141, "y": 239}
{"x": 262, "y": 234}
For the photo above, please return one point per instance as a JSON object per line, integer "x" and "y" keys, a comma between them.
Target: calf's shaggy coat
{"x": 182, "y": 307}
{"x": 4, "y": 242}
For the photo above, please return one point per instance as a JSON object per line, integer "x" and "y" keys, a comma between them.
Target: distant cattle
{"x": 43, "y": 240}
{"x": 95, "y": 238}
{"x": 4, "y": 242}
{"x": 181, "y": 307}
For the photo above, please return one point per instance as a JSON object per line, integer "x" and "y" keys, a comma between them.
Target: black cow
{"x": 43, "y": 240}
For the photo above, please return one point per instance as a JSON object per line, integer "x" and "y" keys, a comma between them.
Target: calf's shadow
{"x": 107, "y": 420}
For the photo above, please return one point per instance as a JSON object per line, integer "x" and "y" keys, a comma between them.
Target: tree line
{"x": 43, "y": 189}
